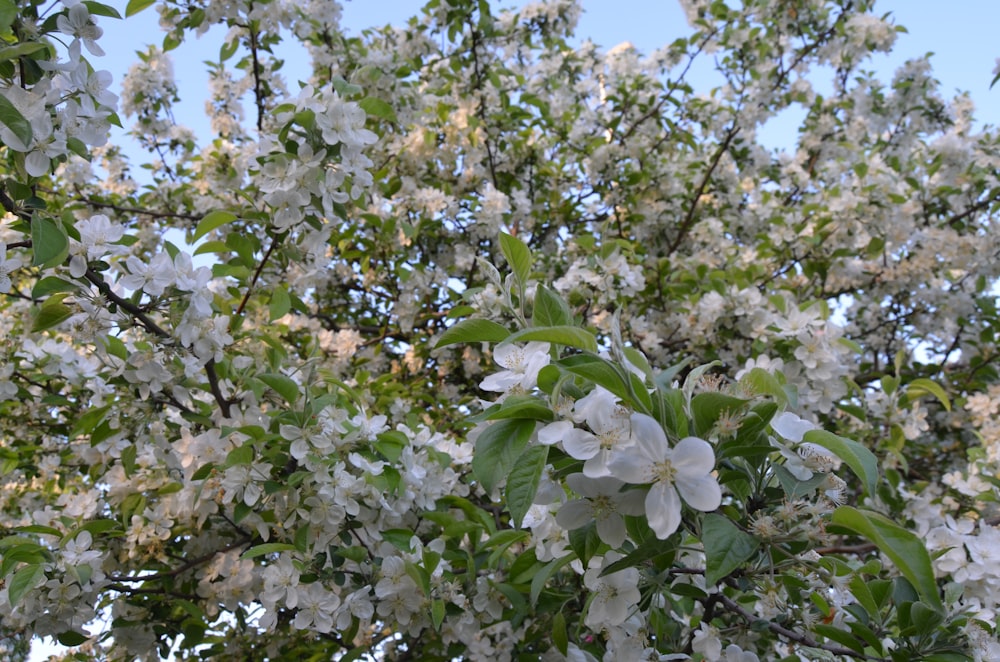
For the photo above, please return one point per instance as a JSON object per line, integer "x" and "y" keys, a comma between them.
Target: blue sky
{"x": 961, "y": 33}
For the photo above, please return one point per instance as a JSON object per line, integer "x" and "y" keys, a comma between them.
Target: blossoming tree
{"x": 472, "y": 344}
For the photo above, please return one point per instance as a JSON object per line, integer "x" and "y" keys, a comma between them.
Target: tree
{"x": 478, "y": 345}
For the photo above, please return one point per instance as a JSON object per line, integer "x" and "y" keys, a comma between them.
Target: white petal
{"x": 575, "y": 514}
{"x": 663, "y": 510}
{"x": 611, "y": 529}
{"x": 702, "y": 494}
{"x": 650, "y": 439}
{"x": 790, "y": 426}
{"x": 631, "y": 467}
{"x": 580, "y": 444}
{"x": 693, "y": 457}
{"x": 553, "y": 433}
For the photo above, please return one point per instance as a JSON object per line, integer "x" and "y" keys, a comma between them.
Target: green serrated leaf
{"x": 24, "y": 580}
{"x": 570, "y": 336}
{"x": 902, "y": 547}
{"x": 49, "y": 242}
{"x": 240, "y": 455}
{"x": 282, "y": 385}
{"x": 51, "y": 314}
{"x": 597, "y": 370}
{"x": 550, "y": 309}
{"x": 101, "y": 9}
{"x": 726, "y": 547}
{"x": 518, "y": 257}
{"x": 280, "y": 303}
{"x": 212, "y": 221}
{"x": 378, "y": 108}
{"x": 12, "y": 118}
{"x": 497, "y": 449}
{"x": 559, "y": 635}
{"x": 473, "y": 330}
{"x": 128, "y": 460}
{"x": 922, "y": 386}
{"x": 708, "y": 408}
{"x": 52, "y": 285}
{"x": 861, "y": 460}
{"x": 24, "y": 48}
{"x": 522, "y": 483}
{"x": 135, "y": 6}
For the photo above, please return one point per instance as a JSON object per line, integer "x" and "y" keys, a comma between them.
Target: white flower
{"x": 611, "y": 430}
{"x": 604, "y": 503}
{"x": 615, "y": 595}
{"x": 78, "y": 22}
{"x": 685, "y": 468}
{"x": 6, "y": 267}
{"x": 522, "y": 363}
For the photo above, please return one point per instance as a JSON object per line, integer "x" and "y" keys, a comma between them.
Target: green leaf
{"x": 473, "y": 330}
{"x": 522, "y": 483}
{"x": 211, "y": 247}
{"x": 240, "y": 455}
{"x": 902, "y": 547}
{"x": 52, "y": 285}
{"x": 378, "y": 108}
{"x": 280, "y": 303}
{"x": 24, "y": 580}
{"x": 795, "y": 488}
{"x": 597, "y": 370}
{"x": 761, "y": 382}
{"x": 52, "y": 313}
{"x": 267, "y": 548}
{"x": 282, "y": 385}
{"x": 501, "y": 541}
{"x": 49, "y": 242}
{"x": 518, "y": 257}
{"x": 542, "y": 576}
{"x": 520, "y": 406}
{"x": 437, "y": 613}
{"x": 128, "y": 460}
{"x": 497, "y": 449}
{"x": 559, "y": 636}
{"x": 923, "y": 386}
{"x": 12, "y": 118}
{"x": 861, "y": 460}
{"x": 212, "y": 221}
{"x": 8, "y": 14}
{"x": 24, "y": 48}
{"x": 100, "y": 9}
{"x": 135, "y": 6}
{"x": 726, "y": 547}
{"x": 71, "y": 638}
{"x": 39, "y": 529}
{"x": 550, "y": 309}
{"x": 707, "y": 408}
{"x": 344, "y": 88}
{"x": 571, "y": 336}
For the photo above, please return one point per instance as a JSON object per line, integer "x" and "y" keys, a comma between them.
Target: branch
{"x": 791, "y": 635}
{"x": 256, "y": 274}
{"x": 204, "y": 558}
{"x": 689, "y": 219}
{"x": 154, "y": 328}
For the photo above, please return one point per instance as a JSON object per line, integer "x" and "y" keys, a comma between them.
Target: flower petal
{"x": 702, "y": 494}
{"x": 575, "y": 514}
{"x": 663, "y": 510}
{"x": 693, "y": 457}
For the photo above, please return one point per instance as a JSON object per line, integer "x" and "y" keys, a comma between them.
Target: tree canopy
{"x": 473, "y": 343}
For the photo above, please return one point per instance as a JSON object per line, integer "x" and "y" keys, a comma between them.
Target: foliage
{"x": 480, "y": 345}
